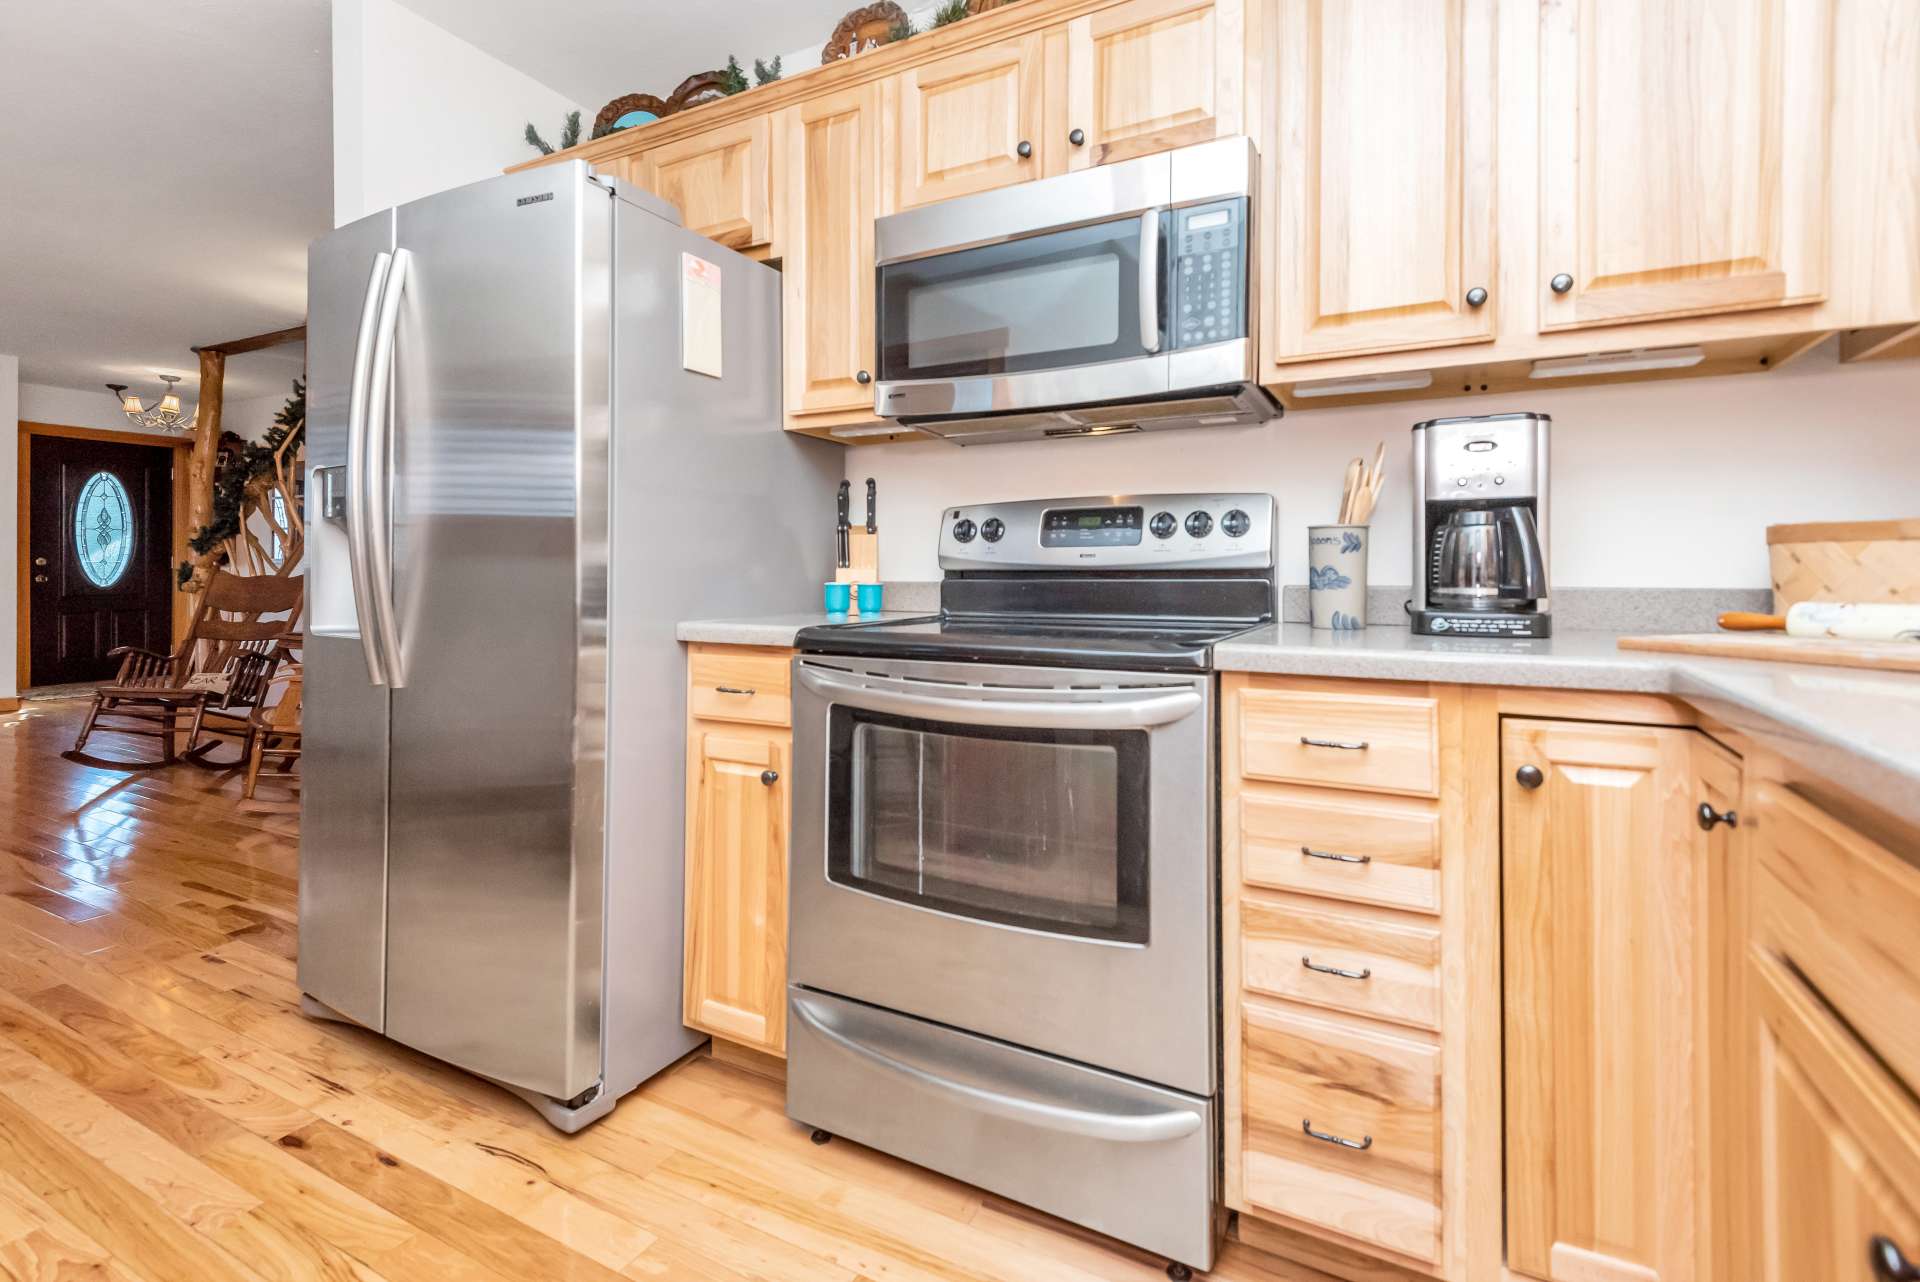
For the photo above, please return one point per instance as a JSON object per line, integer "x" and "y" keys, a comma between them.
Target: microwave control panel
{"x": 1209, "y": 295}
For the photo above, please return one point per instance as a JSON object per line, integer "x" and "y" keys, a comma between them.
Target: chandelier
{"x": 166, "y": 415}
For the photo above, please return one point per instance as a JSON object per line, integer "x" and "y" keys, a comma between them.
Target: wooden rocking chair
{"x": 223, "y": 666}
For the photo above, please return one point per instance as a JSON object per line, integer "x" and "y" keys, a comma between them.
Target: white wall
{"x": 417, "y": 110}
{"x": 1668, "y": 484}
{"x": 9, "y": 528}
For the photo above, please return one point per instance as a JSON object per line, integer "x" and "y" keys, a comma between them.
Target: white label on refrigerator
{"x": 700, "y": 315}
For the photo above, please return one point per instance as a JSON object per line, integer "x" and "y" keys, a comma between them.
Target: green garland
{"x": 237, "y": 469}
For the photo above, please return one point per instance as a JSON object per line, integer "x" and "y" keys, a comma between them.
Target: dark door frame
{"x": 23, "y": 570}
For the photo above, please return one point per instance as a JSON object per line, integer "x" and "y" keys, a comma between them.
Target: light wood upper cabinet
{"x": 736, "y": 953}
{"x": 1147, "y": 75}
{"x": 1382, "y": 176}
{"x": 826, "y": 198}
{"x": 1608, "y": 888}
{"x": 1684, "y": 153}
{"x": 959, "y": 125}
{"x": 719, "y": 180}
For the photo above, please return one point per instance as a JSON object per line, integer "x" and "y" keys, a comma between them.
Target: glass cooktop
{"x": 1149, "y": 644}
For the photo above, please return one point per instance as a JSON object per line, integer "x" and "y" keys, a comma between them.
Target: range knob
{"x": 1163, "y": 525}
{"x": 993, "y": 529}
{"x": 963, "y": 530}
{"x": 1236, "y": 523}
{"x": 1199, "y": 524}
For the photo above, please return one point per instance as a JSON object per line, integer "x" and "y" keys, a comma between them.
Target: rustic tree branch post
{"x": 206, "y": 437}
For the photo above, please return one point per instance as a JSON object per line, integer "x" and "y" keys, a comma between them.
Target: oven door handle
{"x": 1116, "y": 1126}
{"x": 1118, "y": 711}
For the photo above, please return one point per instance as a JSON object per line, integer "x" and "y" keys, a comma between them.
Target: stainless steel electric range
{"x": 1004, "y": 940}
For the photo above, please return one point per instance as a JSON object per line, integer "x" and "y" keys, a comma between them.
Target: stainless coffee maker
{"x": 1480, "y": 526}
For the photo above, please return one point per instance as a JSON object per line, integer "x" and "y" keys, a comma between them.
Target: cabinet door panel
{"x": 1606, "y": 878}
{"x": 827, "y": 195}
{"x": 1827, "y": 1120}
{"x": 1383, "y": 177}
{"x": 959, "y": 122}
{"x": 1149, "y": 75}
{"x": 718, "y": 181}
{"x": 1684, "y": 150}
{"x": 736, "y": 969}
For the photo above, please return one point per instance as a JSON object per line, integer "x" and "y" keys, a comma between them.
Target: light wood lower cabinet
{"x": 736, "y": 859}
{"x": 1608, "y": 891}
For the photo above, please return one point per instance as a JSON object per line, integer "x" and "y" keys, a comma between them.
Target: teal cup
{"x": 869, "y": 596}
{"x": 838, "y": 597}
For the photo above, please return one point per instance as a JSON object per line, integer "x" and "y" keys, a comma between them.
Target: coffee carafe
{"x": 1480, "y": 534}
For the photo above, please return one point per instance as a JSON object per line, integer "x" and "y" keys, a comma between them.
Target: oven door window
{"x": 1046, "y": 302}
{"x": 1041, "y": 829}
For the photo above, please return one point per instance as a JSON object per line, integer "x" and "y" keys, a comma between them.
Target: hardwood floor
{"x": 168, "y": 1115}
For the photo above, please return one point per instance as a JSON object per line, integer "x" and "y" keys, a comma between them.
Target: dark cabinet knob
{"x": 863, "y": 378}
{"x": 1476, "y": 296}
{"x": 39, "y": 578}
{"x": 769, "y": 777}
{"x": 1888, "y": 1264}
{"x": 1709, "y": 817}
{"x": 1078, "y": 137}
{"x": 1024, "y": 150}
{"x": 1560, "y": 284}
{"x": 1529, "y": 776}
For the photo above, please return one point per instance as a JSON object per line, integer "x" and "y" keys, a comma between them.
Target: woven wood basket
{"x": 1845, "y": 561}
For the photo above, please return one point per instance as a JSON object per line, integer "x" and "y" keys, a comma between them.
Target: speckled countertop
{"x": 1858, "y": 728}
{"x": 1861, "y": 729}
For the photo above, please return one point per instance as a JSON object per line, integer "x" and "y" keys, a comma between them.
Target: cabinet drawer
{"x": 1843, "y": 910}
{"x": 1376, "y": 850}
{"x": 1376, "y": 1089}
{"x": 739, "y": 683}
{"x": 1328, "y": 957}
{"x": 1381, "y": 743}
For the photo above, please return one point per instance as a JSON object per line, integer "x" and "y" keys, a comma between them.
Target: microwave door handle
{"x": 1115, "y": 1126}
{"x": 358, "y": 521}
{"x": 1130, "y": 711}
{"x": 1150, "y": 280}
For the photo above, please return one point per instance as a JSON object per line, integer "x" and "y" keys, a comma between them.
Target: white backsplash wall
{"x": 1661, "y": 484}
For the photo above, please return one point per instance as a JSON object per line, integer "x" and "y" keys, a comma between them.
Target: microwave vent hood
{"x": 1225, "y": 407}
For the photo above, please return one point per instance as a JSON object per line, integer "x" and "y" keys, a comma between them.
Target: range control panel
{"x": 1208, "y": 302}
{"x": 1119, "y": 532}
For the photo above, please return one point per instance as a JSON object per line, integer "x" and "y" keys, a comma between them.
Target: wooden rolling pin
{"x": 1872, "y": 621}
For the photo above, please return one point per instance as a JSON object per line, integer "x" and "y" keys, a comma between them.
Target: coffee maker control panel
{"x": 1495, "y": 460}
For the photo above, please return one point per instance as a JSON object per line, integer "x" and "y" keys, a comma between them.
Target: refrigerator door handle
{"x": 379, "y": 496}
{"x": 358, "y": 520}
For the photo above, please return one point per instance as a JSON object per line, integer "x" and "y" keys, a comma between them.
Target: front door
{"x": 99, "y": 555}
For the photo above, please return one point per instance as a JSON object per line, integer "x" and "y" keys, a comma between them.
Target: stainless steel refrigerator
{"x": 543, "y": 427}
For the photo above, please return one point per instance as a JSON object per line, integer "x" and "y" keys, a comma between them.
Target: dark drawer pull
{"x": 1335, "y": 856}
{"x": 732, "y": 690}
{"x": 1334, "y": 743}
{"x": 1335, "y": 970}
{"x": 1889, "y": 1265}
{"x": 1364, "y": 1142}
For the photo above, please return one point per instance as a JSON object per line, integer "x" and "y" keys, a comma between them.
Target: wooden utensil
{"x": 1349, "y": 490}
{"x": 1888, "y": 656}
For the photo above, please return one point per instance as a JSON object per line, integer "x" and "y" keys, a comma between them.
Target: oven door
{"x": 1024, "y": 853}
{"x": 1060, "y": 318}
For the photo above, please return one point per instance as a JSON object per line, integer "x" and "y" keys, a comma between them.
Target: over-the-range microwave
{"x": 1113, "y": 299}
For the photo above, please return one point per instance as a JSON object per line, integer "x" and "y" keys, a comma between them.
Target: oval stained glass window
{"x": 103, "y": 529}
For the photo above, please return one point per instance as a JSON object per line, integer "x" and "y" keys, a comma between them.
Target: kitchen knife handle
{"x": 872, "y": 528}
{"x": 1746, "y": 621}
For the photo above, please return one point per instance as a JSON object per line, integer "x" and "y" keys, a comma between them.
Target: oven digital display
{"x": 1092, "y": 527}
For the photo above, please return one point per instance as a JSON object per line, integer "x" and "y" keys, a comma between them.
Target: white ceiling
{"x": 162, "y": 168}
{"x": 596, "y": 50}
